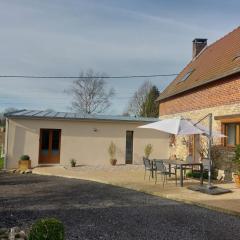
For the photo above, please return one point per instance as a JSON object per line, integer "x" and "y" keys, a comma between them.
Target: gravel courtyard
{"x": 92, "y": 210}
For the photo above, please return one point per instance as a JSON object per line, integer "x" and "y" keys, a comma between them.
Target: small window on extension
{"x": 186, "y": 76}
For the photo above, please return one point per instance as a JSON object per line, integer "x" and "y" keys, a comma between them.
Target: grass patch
{"x": 1, "y": 159}
{"x": 1, "y": 162}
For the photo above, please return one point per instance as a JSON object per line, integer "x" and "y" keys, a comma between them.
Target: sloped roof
{"x": 52, "y": 115}
{"x": 218, "y": 60}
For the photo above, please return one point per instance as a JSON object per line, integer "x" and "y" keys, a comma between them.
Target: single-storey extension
{"x": 50, "y": 137}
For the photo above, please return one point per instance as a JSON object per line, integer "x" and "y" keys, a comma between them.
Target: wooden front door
{"x": 49, "y": 146}
{"x": 129, "y": 147}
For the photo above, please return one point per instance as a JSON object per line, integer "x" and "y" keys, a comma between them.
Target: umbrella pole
{"x": 209, "y": 146}
{"x": 209, "y": 188}
{"x": 209, "y": 149}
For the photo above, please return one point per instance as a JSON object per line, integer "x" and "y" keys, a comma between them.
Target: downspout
{"x": 6, "y": 144}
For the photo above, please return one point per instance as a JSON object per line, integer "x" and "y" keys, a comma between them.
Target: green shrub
{"x": 236, "y": 160}
{"x": 198, "y": 175}
{"x": 24, "y": 157}
{"x": 1, "y": 158}
{"x": 47, "y": 229}
{"x": 1, "y": 162}
{"x": 73, "y": 162}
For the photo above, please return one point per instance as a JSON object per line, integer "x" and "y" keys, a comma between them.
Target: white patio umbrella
{"x": 177, "y": 126}
{"x": 181, "y": 126}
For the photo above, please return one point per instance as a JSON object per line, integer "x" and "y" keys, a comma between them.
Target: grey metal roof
{"x": 37, "y": 114}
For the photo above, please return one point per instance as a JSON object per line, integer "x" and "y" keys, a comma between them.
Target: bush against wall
{"x": 216, "y": 153}
{"x": 236, "y": 160}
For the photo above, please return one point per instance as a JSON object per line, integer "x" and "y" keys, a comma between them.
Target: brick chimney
{"x": 198, "y": 45}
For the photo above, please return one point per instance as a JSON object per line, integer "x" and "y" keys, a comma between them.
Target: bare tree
{"x": 89, "y": 93}
{"x": 10, "y": 109}
{"x": 136, "y": 104}
{"x": 6, "y": 110}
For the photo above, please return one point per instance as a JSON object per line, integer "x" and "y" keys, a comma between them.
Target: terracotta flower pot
{"x": 23, "y": 165}
{"x": 113, "y": 162}
{"x": 237, "y": 180}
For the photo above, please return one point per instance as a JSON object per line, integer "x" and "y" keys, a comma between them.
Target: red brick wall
{"x": 222, "y": 92}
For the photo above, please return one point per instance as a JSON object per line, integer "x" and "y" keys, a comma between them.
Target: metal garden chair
{"x": 148, "y": 166}
{"x": 160, "y": 169}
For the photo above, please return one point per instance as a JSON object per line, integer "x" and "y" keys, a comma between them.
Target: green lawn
{"x": 1, "y": 162}
{"x": 1, "y": 159}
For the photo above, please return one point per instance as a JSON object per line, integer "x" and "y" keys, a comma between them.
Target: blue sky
{"x": 63, "y": 37}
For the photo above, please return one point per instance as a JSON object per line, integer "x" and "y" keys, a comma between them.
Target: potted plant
{"x": 236, "y": 160}
{"x": 148, "y": 150}
{"x": 73, "y": 162}
{"x": 24, "y": 163}
{"x": 112, "y": 152}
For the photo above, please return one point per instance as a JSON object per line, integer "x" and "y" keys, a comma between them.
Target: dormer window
{"x": 186, "y": 76}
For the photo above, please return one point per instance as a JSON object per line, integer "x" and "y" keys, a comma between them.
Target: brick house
{"x": 210, "y": 83}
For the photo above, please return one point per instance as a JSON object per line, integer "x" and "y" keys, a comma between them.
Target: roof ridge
{"x": 223, "y": 37}
{"x": 213, "y": 43}
{"x": 173, "y": 87}
{"x": 210, "y": 45}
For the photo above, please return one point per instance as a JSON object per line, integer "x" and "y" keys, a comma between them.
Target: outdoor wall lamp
{"x": 95, "y": 129}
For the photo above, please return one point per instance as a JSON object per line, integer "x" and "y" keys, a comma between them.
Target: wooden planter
{"x": 23, "y": 165}
{"x": 113, "y": 162}
{"x": 237, "y": 180}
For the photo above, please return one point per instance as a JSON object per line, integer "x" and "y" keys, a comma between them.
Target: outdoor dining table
{"x": 181, "y": 165}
